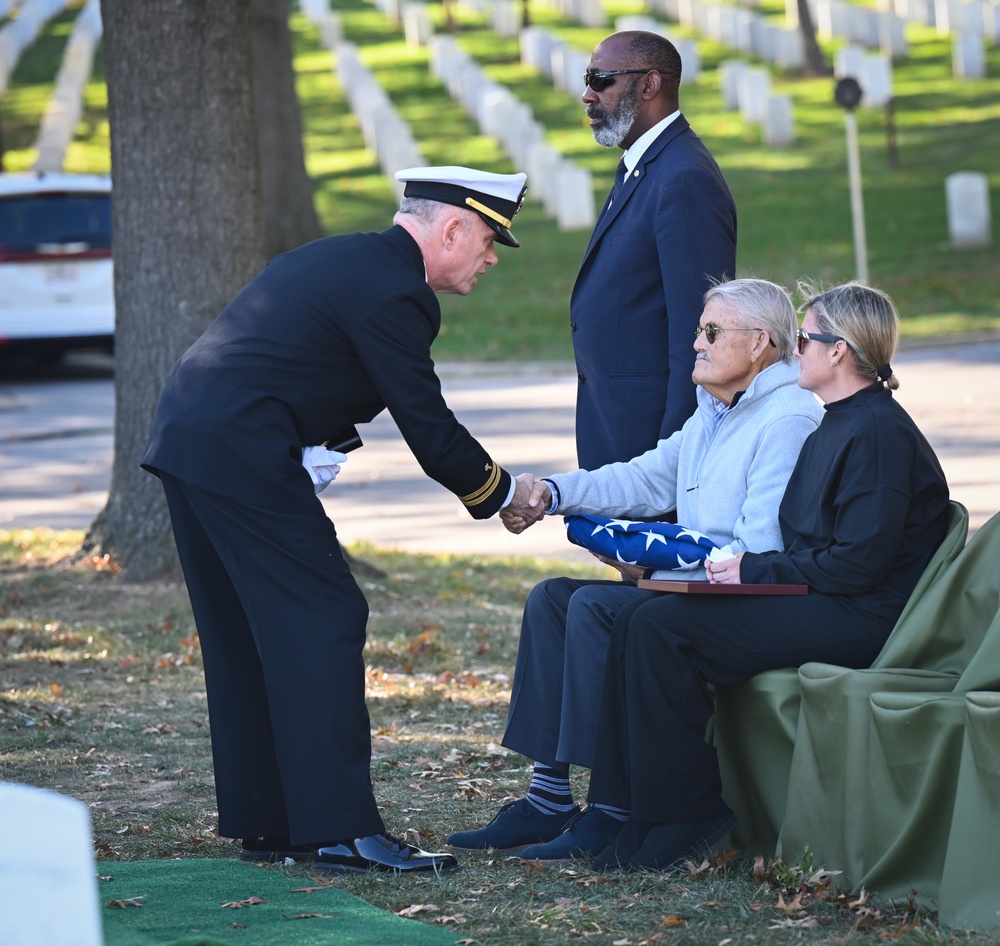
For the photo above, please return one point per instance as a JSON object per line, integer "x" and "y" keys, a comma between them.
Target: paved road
{"x": 56, "y": 446}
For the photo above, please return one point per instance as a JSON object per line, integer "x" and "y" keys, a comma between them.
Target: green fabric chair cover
{"x": 755, "y": 724}
{"x": 970, "y": 885}
{"x": 828, "y": 780}
{"x": 838, "y": 797}
{"x": 913, "y": 761}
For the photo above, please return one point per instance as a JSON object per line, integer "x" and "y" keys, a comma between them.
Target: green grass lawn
{"x": 103, "y": 700}
{"x": 793, "y": 203}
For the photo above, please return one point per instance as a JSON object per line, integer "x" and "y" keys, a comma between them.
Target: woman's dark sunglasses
{"x": 802, "y": 337}
{"x": 599, "y": 81}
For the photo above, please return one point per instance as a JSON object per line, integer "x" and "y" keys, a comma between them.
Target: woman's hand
{"x": 725, "y": 573}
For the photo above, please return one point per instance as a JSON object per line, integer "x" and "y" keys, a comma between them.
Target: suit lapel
{"x": 633, "y": 181}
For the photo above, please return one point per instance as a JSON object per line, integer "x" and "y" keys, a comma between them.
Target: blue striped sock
{"x": 549, "y": 790}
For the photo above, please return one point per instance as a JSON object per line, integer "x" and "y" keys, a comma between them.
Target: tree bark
{"x": 187, "y": 226}
{"x": 816, "y": 63}
{"x": 289, "y": 213}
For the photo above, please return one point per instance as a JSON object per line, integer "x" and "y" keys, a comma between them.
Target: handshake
{"x": 531, "y": 498}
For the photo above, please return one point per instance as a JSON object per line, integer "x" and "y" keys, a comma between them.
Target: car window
{"x": 30, "y": 221}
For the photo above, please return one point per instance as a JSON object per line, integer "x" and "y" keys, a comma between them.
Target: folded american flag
{"x": 647, "y": 544}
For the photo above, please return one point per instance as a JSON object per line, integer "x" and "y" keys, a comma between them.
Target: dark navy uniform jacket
{"x": 325, "y": 337}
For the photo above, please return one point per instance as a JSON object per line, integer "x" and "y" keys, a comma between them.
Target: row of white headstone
{"x": 385, "y": 131}
{"x": 564, "y": 188}
{"x": 66, "y": 105}
{"x": 18, "y": 33}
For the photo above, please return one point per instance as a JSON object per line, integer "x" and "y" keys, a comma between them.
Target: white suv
{"x": 56, "y": 283}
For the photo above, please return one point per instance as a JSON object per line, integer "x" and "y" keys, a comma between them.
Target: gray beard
{"x": 617, "y": 124}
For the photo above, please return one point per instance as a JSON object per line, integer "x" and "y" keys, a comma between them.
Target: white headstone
{"x": 417, "y": 27}
{"x": 991, "y": 22}
{"x": 789, "y": 52}
{"x": 779, "y": 127}
{"x": 849, "y": 62}
{"x": 574, "y": 198}
{"x": 690, "y": 60}
{"x": 754, "y": 88}
{"x": 542, "y": 164}
{"x": 876, "y": 81}
{"x": 968, "y": 198}
{"x": 590, "y": 13}
{"x": 506, "y": 21}
{"x": 968, "y": 56}
{"x": 731, "y": 74}
{"x": 48, "y": 879}
{"x": 892, "y": 36}
{"x": 331, "y": 30}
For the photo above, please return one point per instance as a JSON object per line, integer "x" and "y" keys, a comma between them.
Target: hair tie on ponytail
{"x": 884, "y": 373}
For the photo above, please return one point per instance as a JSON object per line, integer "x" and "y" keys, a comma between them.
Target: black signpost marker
{"x": 847, "y": 95}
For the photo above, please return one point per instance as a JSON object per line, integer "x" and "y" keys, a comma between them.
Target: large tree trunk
{"x": 187, "y": 223}
{"x": 289, "y": 214}
{"x": 816, "y": 63}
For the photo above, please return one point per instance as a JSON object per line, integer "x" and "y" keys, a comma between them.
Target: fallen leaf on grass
{"x": 308, "y": 889}
{"x": 457, "y": 918}
{"x": 672, "y": 921}
{"x": 241, "y": 904}
{"x": 130, "y": 902}
{"x": 312, "y": 916}
{"x": 416, "y": 908}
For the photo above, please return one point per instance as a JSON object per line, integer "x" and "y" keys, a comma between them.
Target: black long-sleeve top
{"x": 865, "y": 508}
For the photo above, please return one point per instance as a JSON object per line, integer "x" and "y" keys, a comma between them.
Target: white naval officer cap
{"x": 495, "y": 197}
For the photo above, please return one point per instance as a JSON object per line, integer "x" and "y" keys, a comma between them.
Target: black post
{"x": 890, "y": 133}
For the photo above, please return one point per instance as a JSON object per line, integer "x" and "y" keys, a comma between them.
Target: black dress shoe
{"x": 381, "y": 852}
{"x": 616, "y": 855}
{"x": 272, "y": 848}
{"x": 668, "y": 845}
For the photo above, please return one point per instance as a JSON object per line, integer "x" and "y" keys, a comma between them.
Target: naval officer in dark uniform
{"x": 325, "y": 337}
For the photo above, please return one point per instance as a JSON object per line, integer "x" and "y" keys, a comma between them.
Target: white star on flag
{"x": 652, "y": 537}
{"x": 610, "y": 524}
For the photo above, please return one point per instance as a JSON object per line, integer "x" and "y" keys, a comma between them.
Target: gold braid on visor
{"x": 483, "y": 209}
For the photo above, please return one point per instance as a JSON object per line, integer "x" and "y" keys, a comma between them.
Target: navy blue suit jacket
{"x": 638, "y": 297}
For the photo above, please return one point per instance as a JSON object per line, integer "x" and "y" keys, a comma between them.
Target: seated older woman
{"x": 724, "y": 473}
{"x": 864, "y": 511}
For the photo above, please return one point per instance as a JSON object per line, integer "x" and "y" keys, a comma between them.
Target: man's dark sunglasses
{"x": 712, "y": 332}
{"x": 802, "y": 337}
{"x": 599, "y": 81}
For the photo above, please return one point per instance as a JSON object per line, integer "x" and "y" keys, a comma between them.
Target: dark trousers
{"x": 651, "y": 756}
{"x": 559, "y": 674}
{"x": 282, "y": 628}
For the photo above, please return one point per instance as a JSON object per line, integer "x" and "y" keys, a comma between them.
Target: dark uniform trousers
{"x": 651, "y": 756}
{"x": 299, "y": 763}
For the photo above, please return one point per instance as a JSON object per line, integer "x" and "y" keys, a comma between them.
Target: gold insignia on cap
{"x": 483, "y": 209}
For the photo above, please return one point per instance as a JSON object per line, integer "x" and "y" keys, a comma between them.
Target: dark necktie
{"x": 620, "y": 173}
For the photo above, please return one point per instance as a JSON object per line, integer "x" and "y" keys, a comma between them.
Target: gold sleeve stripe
{"x": 483, "y": 493}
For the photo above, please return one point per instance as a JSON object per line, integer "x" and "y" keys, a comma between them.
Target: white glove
{"x": 322, "y": 465}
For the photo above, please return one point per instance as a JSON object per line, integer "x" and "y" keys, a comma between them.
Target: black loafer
{"x": 381, "y": 852}
{"x": 272, "y": 848}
